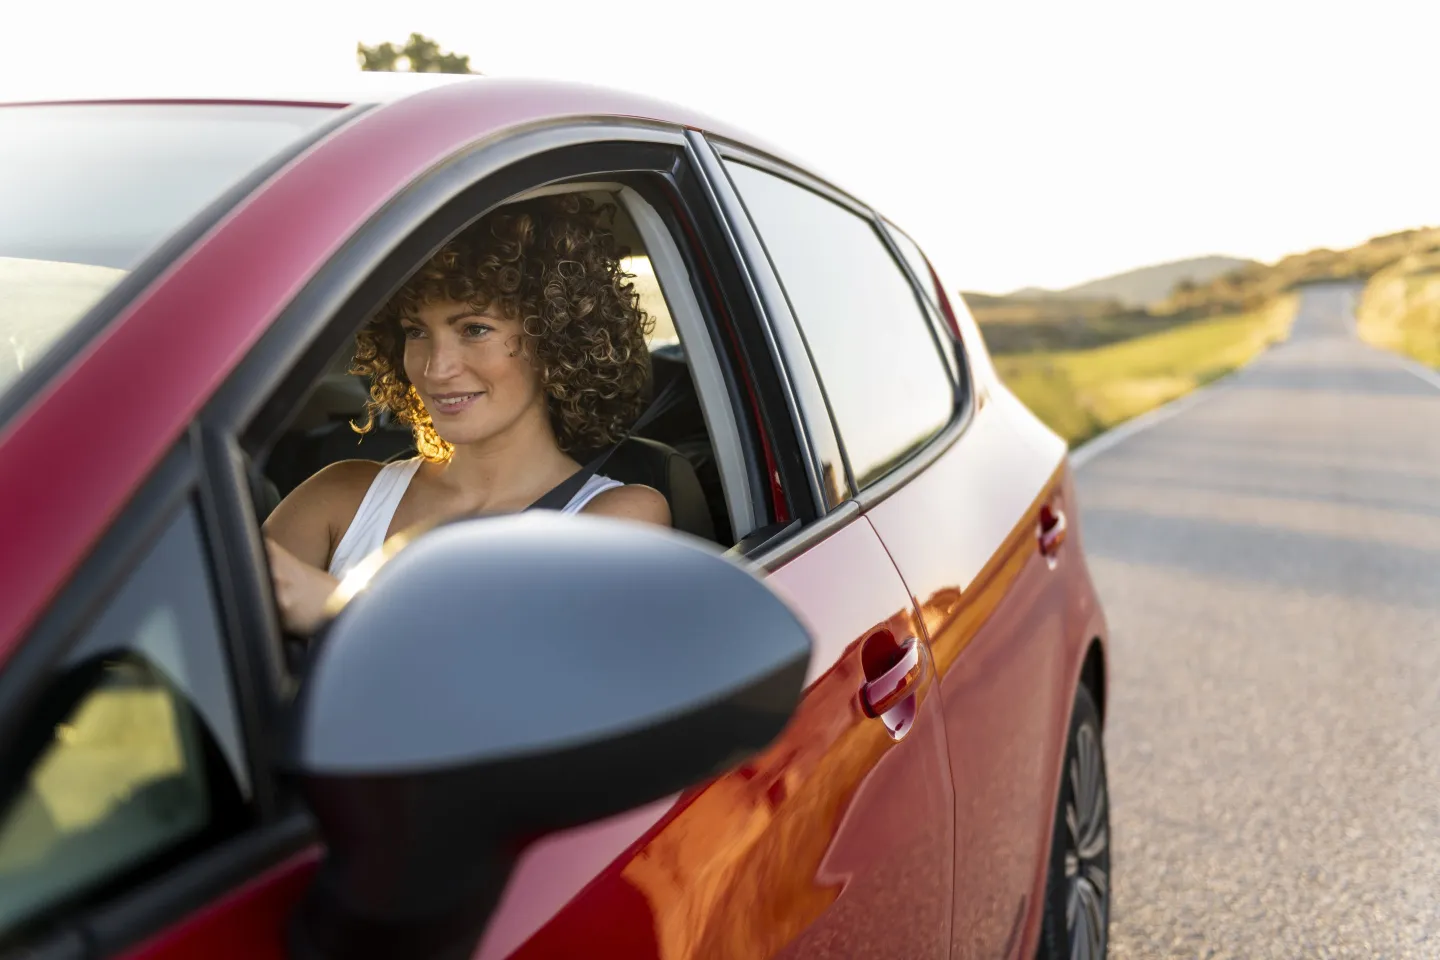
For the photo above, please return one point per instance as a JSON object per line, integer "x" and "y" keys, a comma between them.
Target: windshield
{"x": 87, "y": 190}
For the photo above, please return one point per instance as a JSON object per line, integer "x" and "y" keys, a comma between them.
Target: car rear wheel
{"x": 1077, "y": 902}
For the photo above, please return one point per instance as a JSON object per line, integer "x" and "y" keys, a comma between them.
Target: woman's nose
{"x": 443, "y": 361}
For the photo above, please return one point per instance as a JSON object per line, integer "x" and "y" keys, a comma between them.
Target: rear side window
{"x": 133, "y": 754}
{"x": 871, "y": 341}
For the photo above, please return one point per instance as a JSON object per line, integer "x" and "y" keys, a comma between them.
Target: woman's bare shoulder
{"x": 342, "y": 483}
{"x": 633, "y": 501}
{"x": 346, "y": 476}
{"x": 326, "y": 501}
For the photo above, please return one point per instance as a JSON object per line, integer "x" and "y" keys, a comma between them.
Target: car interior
{"x": 674, "y": 453}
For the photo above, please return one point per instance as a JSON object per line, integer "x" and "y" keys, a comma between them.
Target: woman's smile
{"x": 450, "y": 404}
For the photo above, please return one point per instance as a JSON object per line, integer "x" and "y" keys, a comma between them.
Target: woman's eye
{"x": 477, "y": 329}
{"x": 413, "y": 333}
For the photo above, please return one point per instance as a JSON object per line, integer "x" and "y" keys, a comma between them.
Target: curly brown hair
{"x": 555, "y": 264}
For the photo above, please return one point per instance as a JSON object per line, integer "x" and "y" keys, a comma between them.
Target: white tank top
{"x": 367, "y": 531}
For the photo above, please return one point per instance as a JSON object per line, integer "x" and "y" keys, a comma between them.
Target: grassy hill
{"x": 1021, "y": 325}
{"x": 1137, "y": 288}
{"x": 1081, "y": 393}
{"x": 1061, "y": 320}
{"x": 1248, "y": 287}
{"x": 1084, "y": 363}
{"x": 1099, "y": 312}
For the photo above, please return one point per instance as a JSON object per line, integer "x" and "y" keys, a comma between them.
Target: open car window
{"x": 676, "y": 453}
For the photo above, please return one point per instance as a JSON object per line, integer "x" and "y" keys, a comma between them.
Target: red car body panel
{"x": 247, "y": 924}
{"x": 841, "y": 839}
{"x": 836, "y": 839}
{"x": 995, "y": 614}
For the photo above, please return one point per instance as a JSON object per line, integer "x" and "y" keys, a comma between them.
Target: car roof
{"x": 344, "y": 89}
{"x": 337, "y": 89}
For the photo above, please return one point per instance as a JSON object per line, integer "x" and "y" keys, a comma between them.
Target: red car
{"x": 853, "y": 708}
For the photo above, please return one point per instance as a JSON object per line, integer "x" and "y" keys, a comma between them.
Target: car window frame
{"x": 810, "y": 407}
{"x": 646, "y": 206}
{"x": 168, "y": 888}
{"x": 955, "y": 326}
{"x": 799, "y": 362}
{"x": 247, "y": 413}
{"x": 925, "y": 286}
{"x": 802, "y": 181}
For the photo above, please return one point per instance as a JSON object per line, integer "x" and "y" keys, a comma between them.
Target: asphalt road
{"x": 1269, "y": 560}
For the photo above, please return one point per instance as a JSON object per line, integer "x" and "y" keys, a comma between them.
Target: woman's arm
{"x": 301, "y": 534}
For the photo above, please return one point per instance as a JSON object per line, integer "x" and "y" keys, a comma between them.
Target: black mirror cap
{"x": 502, "y": 678}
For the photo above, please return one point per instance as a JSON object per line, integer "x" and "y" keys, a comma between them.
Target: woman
{"x": 516, "y": 345}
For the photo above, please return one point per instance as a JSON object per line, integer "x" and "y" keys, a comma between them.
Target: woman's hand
{"x": 300, "y": 590}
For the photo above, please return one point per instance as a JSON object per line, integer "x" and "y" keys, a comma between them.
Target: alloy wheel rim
{"x": 1087, "y": 849}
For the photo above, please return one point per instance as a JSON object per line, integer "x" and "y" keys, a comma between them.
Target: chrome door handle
{"x": 1053, "y": 529}
{"x": 882, "y": 694}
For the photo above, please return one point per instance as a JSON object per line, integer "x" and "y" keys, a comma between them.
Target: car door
{"x": 954, "y": 494}
{"x": 836, "y": 841}
{"x": 975, "y": 535}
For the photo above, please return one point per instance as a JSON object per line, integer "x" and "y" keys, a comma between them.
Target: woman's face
{"x": 471, "y": 370}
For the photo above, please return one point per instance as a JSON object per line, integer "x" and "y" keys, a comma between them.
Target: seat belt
{"x": 563, "y": 492}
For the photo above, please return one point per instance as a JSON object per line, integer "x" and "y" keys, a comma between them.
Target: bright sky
{"x": 1020, "y": 143}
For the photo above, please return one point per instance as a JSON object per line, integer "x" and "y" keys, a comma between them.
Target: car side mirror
{"x": 498, "y": 679}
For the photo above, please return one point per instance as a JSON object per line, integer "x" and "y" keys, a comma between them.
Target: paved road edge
{"x": 1420, "y": 370}
{"x": 1090, "y": 449}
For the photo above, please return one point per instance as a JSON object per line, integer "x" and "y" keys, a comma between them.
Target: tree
{"x": 420, "y": 54}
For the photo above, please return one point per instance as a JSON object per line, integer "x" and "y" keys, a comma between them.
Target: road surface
{"x": 1269, "y": 560}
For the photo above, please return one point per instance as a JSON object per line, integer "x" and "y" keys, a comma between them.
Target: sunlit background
{"x": 1021, "y": 143}
{"x": 1265, "y": 550}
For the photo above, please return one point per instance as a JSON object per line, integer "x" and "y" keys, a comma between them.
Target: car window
{"x": 96, "y": 186}
{"x": 887, "y": 384}
{"x": 133, "y": 750}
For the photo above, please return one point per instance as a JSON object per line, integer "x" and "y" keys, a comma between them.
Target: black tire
{"x": 1076, "y": 925}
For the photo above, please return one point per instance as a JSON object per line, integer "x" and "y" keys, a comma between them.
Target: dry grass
{"x": 1081, "y": 393}
{"x": 1400, "y": 309}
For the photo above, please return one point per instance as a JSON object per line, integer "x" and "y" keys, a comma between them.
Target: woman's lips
{"x": 454, "y": 403}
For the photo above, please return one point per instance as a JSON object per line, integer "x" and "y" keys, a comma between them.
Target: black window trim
{"x": 810, "y": 407}
{"x": 704, "y": 253}
{"x": 964, "y": 408}
{"x": 172, "y": 487}
{"x": 152, "y": 907}
{"x": 923, "y": 297}
{"x": 924, "y": 286}
{"x": 59, "y": 355}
